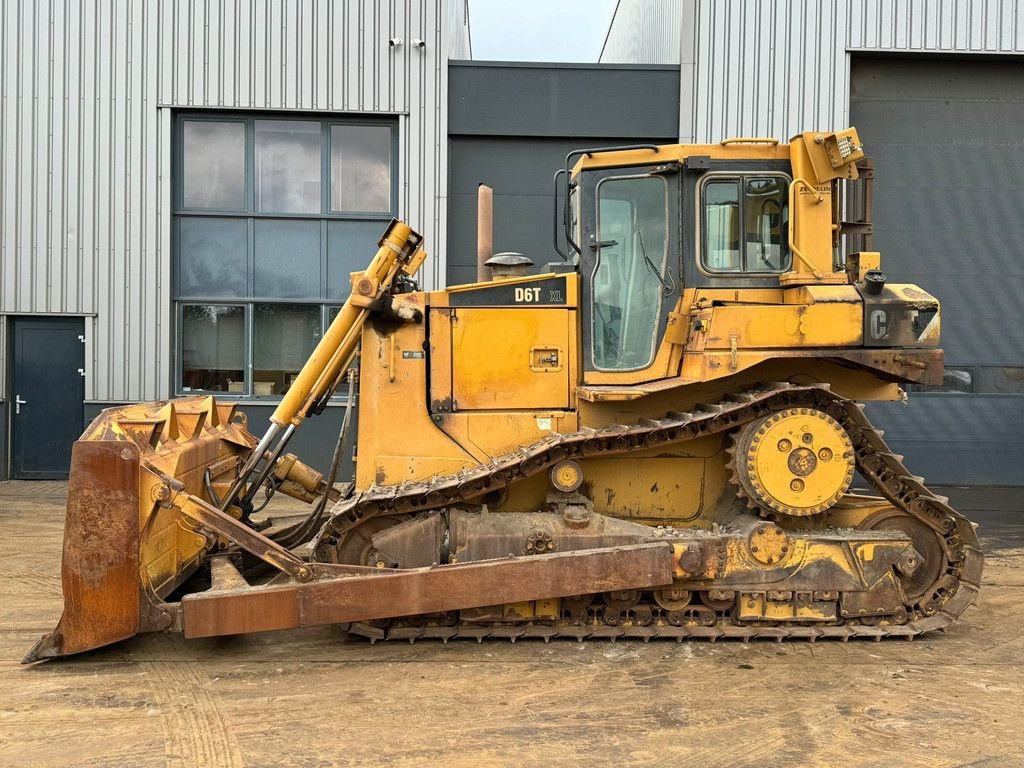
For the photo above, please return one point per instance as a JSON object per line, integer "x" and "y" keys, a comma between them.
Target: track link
{"x": 948, "y": 598}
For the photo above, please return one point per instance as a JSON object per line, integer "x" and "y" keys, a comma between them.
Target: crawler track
{"x": 942, "y": 604}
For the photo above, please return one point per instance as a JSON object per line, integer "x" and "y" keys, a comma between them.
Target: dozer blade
{"x": 100, "y": 566}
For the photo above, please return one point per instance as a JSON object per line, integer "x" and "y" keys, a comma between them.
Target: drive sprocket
{"x": 795, "y": 461}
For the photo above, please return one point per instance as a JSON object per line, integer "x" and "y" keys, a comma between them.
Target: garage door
{"x": 945, "y": 135}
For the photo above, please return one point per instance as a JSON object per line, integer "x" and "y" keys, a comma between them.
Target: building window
{"x": 360, "y": 168}
{"x": 283, "y": 336}
{"x": 213, "y": 174}
{"x": 288, "y": 162}
{"x": 271, "y": 215}
{"x": 213, "y": 347}
{"x": 745, "y": 220}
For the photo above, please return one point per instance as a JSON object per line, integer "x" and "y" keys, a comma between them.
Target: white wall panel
{"x": 86, "y": 92}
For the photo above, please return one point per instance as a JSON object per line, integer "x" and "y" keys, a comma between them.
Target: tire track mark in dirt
{"x": 195, "y": 732}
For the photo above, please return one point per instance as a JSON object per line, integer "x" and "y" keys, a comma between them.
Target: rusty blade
{"x": 100, "y": 566}
{"x": 384, "y": 594}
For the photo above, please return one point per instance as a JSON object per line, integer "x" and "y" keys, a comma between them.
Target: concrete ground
{"x": 318, "y": 697}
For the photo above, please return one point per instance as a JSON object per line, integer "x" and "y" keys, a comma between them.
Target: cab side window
{"x": 745, "y": 219}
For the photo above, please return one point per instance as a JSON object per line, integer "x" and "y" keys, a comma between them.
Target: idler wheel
{"x": 916, "y": 582}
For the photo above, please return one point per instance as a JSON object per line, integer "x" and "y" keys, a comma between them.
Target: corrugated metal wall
{"x": 773, "y": 68}
{"x": 644, "y": 32}
{"x": 87, "y": 89}
{"x": 776, "y": 68}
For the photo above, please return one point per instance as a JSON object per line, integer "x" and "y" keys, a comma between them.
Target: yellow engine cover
{"x": 511, "y": 358}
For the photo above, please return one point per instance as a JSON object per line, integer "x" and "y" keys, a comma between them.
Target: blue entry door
{"x": 47, "y": 394}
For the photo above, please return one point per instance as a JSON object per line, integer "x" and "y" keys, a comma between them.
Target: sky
{"x": 539, "y": 30}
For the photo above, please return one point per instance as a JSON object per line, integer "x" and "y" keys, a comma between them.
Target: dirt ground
{"x": 318, "y": 697}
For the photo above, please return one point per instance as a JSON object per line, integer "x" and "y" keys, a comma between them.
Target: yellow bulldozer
{"x": 655, "y": 437}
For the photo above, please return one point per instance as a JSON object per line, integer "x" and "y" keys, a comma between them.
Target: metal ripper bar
{"x": 388, "y": 593}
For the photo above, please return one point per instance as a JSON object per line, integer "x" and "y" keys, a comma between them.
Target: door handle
{"x": 18, "y": 402}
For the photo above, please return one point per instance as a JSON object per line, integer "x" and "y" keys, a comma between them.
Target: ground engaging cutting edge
{"x": 655, "y": 437}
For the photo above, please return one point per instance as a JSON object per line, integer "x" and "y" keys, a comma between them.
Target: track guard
{"x": 100, "y": 564}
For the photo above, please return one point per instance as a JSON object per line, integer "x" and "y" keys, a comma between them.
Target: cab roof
{"x": 729, "y": 149}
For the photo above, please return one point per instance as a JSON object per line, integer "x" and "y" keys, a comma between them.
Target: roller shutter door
{"x": 947, "y": 140}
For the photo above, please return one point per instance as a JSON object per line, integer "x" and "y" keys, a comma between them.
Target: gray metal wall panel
{"x": 581, "y": 101}
{"x": 774, "y": 69}
{"x": 644, "y": 32}
{"x": 86, "y": 88}
{"x": 460, "y": 44}
{"x": 957, "y": 440}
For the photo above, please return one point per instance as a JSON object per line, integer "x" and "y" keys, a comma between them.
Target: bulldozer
{"x": 657, "y": 436}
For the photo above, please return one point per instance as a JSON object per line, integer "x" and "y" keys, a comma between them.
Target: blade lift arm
{"x": 399, "y": 253}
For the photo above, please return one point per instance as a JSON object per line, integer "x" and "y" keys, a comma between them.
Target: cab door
{"x": 631, "y": 273}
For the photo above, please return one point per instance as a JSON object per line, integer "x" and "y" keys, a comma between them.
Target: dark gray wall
{"x": 511, "y": 125}
{"x": 570, "y": 100}
{"x": 949, "y": 181}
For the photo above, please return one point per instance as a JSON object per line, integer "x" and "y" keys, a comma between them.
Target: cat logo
{"x": 879, "y": 324}
{"x": 527, "y": 294}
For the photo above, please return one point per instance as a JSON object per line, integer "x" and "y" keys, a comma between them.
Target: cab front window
{"x": 630, "y": 277}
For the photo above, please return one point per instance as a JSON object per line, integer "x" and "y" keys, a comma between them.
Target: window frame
{"x": 179, "y": 212}
{"x": 178, "y": 166}
{"x": 179, "y": 361}
{"x": 597, "y": 264}
{"x": 326, "y": 185}
{"x": 739, "y": 176}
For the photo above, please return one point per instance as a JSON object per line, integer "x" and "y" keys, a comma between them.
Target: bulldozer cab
{"x": 655, "y": 229}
